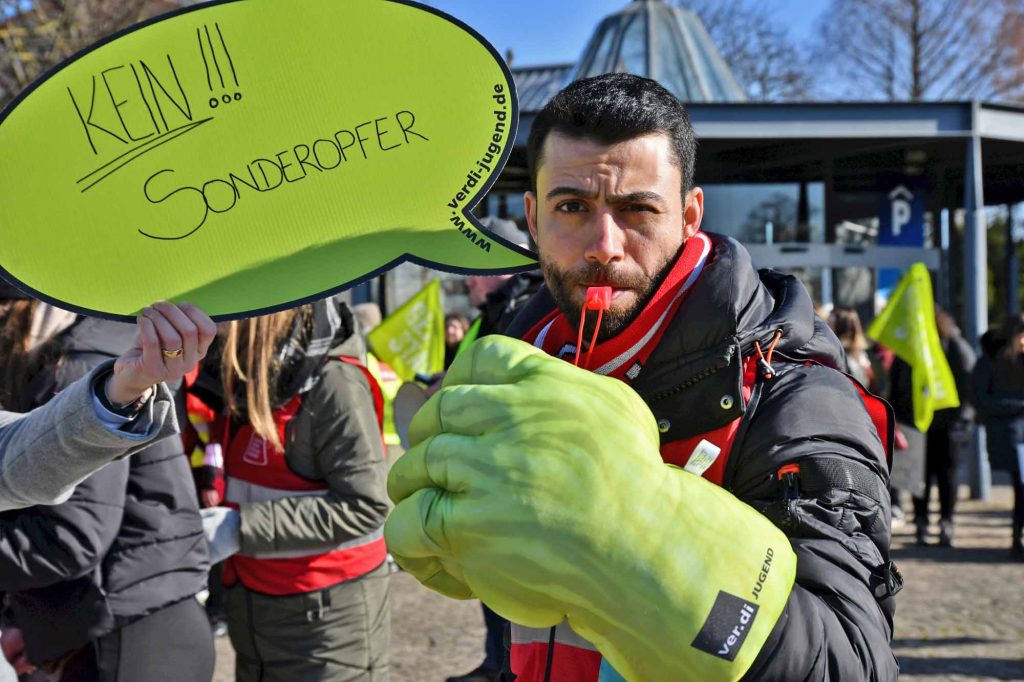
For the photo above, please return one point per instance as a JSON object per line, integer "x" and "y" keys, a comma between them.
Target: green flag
{"x": 412, "y": 339}
{"x": 907, "y": 326}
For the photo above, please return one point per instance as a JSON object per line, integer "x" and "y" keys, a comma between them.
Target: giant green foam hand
{"x": 538, "y": 488}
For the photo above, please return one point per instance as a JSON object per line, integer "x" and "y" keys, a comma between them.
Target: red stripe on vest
{"x": 304, "y": 574}
{"x": 569, "y": 663}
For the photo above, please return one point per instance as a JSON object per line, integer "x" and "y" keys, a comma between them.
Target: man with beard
{"x": 762, "y": 550}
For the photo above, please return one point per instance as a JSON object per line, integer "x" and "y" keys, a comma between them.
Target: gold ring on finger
{"x": 176, "y": 353}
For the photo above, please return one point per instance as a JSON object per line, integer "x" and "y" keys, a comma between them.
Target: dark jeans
{"x": 940, "y": 464}
{"x": 215, "y": 602}
{"x": 494, "y": 644}
{"x": 1018, "y": 504}
{"x": 173, "y": 644}
{"x": 1017, "y": 476}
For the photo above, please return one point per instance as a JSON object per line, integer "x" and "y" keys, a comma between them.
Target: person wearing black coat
{"x": 106, "y": 581}
{"x": 998, "y": 381}
{"x": 940, "y": 452}
{"x": 741, "y": 388}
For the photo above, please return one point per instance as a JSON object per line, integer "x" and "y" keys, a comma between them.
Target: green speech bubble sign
{"x": 249, "y": 155}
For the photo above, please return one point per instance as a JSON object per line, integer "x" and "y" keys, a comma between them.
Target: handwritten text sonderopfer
{"x": 195, "y": 203}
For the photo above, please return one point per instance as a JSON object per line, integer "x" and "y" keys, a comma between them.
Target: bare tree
{"x": 1009, "y": 78}
{"x": 757, "y": 47}
{"x": 924, "y": 49}
{"x": 36, "y": 35}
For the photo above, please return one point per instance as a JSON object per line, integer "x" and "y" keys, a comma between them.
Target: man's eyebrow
{"x": 630, "y": 198}
{"x": 565, "y": 190}
{"x": 634, "y": 197}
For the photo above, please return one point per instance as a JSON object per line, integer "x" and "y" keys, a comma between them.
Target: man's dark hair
{"x": 612, "y": 108}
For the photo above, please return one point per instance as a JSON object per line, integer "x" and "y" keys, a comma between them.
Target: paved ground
{"x": 960, "y": 617}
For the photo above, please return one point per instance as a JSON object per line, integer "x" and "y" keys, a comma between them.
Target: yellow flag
{"x": 907, "y": 326}
{"x": 412, "y": 339}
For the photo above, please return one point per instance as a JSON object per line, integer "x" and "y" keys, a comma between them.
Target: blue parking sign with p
{"x": 901, "y": 219}
{"x": 900, "y": 223}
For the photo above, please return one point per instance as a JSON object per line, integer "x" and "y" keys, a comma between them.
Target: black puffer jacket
{"x": 999, "y": 391}
{"x": 837, "y": 624}
{"x": 127, "y": 543}
{"x": 504, "y": 303}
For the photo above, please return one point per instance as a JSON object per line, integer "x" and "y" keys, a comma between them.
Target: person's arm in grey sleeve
{"x": 349, "y": 456}
{"x": 45, "y": 453}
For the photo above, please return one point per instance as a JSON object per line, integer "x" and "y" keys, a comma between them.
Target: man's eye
{"x": 570, "y": 207}
{"x": 639, "y": 207}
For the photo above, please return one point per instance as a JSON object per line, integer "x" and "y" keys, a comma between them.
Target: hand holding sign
{"x": 169, "y": 342}
{"x": 248, "y": 155}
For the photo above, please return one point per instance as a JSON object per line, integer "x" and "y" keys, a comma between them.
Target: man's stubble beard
{"x": 562, "y": 284}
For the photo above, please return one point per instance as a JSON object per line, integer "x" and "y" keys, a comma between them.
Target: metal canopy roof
{"x": 667, "y": 43}
{"x": 857, "y": 120}
{"x": 538, "y": 84}
{"x": 847, "y": 120}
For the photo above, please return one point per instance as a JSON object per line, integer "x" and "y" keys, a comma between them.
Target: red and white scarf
{"x": 624, "y": 355}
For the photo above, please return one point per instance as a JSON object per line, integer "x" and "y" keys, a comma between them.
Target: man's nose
{"x": 606, "y": 240}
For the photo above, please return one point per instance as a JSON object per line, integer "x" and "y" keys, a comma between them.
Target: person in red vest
{"x": 704, "y": 496}
{"x": 306, "y": 583}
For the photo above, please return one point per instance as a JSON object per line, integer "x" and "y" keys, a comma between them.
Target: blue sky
{"x": 553, "y": 31}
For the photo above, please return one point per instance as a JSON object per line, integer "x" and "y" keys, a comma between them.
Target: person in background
{"x": 103, "y": 586}
{"x": 306, "y": 582}
{"x": 500, "y": 297}
{"x": 998, "y": 383}
{"x": 908, "y": 464}
{"x": 25, "y": 323}
{"x": 845, "y": 322}
{"x": 874, "y": 370}
{"x": 940, "y": 451}
{"x": 455, "y": 327}
{"x": 368, "y": 316}
{"x": 203, "y": 443}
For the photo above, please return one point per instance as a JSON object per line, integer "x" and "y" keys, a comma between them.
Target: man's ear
{"x": 693, "y": 212}
{"x": 530, "y": 199}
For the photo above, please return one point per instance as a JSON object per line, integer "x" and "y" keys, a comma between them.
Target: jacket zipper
{"x": 696, "y": 378}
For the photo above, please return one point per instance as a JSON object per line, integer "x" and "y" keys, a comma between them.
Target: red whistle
{"x": 599, "y": 298}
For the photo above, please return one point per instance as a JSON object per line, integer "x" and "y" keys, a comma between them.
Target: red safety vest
{"x": 258, "y": 472}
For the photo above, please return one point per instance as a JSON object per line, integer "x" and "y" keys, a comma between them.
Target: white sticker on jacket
{"x": 702, "y": 457}
{"x": 256, "y": 452}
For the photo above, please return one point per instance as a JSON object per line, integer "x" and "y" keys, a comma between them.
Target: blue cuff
{"x": 110, "y": 420}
